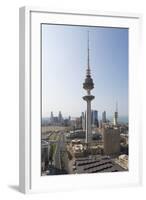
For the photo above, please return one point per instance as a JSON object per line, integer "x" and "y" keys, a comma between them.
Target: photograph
{"x": 84, "y": 99}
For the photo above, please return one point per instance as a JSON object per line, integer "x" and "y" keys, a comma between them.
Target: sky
{"x": 64, "y": 63}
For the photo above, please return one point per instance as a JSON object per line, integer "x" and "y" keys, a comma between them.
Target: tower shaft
{"x": 88, "y": 123}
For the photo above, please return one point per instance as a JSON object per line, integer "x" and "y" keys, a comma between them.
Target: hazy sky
{"x": 64, "y": 62}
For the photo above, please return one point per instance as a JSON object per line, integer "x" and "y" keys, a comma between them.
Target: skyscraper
{"x": 52, "y": 117}
{"x": 83, "y": 121}
{"x": 104, "y": 117}
{"x": 94, "y": 118}
{"x": 115, "y": 119}
{"x": 60, "y": 118}
{"x": 88, "y": 85}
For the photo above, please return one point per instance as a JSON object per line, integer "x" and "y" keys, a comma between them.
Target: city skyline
{"x": 64, "y": 62}
{"x": 121, "y": 119}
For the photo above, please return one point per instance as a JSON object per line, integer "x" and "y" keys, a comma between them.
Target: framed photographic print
{"x": 79, "y": 100}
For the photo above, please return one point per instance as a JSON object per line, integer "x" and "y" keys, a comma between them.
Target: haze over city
{"x": 64, "y": 62}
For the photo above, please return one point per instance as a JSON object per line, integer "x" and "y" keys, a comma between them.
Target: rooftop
{"x": 95, "y": 164}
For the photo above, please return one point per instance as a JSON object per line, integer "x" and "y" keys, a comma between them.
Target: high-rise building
{"x": 115, "y": 119}
{"x": 69, "y": 120}
{"x": 52, "y": 117}
{"x": 104, "y": 117}
{"x": 60, "y": 118}
{"x": 100, "y": 124}
{"x": 88, "y": 85}
{"x": 111, "y": 141}
{"x": 94, "y": 118}
{"x": 83, "y": 121}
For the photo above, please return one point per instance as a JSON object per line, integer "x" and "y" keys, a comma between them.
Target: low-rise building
{"x": 122, "y": 161}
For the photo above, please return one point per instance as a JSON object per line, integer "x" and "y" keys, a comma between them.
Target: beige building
{"x": 111, "y": 141}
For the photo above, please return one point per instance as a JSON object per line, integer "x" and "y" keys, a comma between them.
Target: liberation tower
{"x": 88, "y": 85}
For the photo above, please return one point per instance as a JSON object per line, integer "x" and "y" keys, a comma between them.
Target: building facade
{"x": 94, "y": 118}
{"x": 104, "y": 117}
{"x": 111, "y": 141}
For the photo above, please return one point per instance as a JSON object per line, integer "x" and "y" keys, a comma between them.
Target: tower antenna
{"x": 88, "y": 57}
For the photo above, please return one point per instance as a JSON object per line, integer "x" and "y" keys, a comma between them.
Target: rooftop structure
{"x": 96, "y": 164}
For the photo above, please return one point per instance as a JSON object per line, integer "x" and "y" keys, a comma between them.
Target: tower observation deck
{"x": 88, "y": 85}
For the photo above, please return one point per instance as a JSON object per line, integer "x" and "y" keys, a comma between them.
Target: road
{"x": 60, "y": 146}
{"x": 57, "y": 160}
{"x": 59, "y": 154}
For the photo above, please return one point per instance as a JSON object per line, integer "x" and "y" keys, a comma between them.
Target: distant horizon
{"x": 64, "y": 63}
{"x": 109, "y": 117}
{"x": 66, "y": 116}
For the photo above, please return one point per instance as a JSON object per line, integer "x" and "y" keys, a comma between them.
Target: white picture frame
{"x": 29, "y": 160}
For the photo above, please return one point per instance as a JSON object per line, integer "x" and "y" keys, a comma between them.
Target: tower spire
{"x": 88, "y": 83}
{"x": 88, "y": 58}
